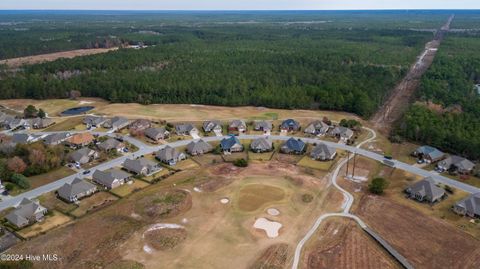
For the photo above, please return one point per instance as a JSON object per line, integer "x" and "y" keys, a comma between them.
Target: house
{"x": 111, "y": 144}
{"x": 212, "y": 126}
{"x": 343, "y": 133}
{"x": 469, "y": 206}
{"x": 12, "y": 123}
{"x": 231, "y": 144}
{"x": 290, "y": 125}
{"x": 322, "y": 152}
{"x": 237, "y": 126}
{"x": 56, "y": 139}
{"x": 24, "y": 138}
{"x": 94, "y": 121}
{"x": 141, "y": 166}
{"x": 39, "y": 123}
{"x": 157, "y": 134}
{"x": 116, "y": 123}
{"x": 456, "y": 164}
{"x": 186, "y": 129}
{"x": 83, "y": 156}
{"x": 261, "y": 144}
{"x": 317, "y": 127}
{"x": 79, "y": 188}
{"x": 80, "y": 140}
{"x": 140, "y": 125}
{"x": 293, "y": 146}
{"x": 198, "y": 147}
{"x": 170, "y": 155}
{"x": 26, "y": 213}
{"x": 263, "y": 126}
{"x": 428, "y": 154}
{"x": 111, "y": 178}
{"x": 425, "y": 190}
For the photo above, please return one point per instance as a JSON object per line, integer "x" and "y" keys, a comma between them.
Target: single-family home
{"x": 456, "y": 164}
{"x": 212, "y": 126}
{"x": 79, "y": 140}
{"x": 186, "y": 129}
{"x": 425, "y": 190}
{"x": 116, "y": 123}
{"x": 198, "y": 147}
{"x": 231, "y": 144}
{"x": 140, "y": 125}
{"x": 26, "y": 213}
{"x": 94, "y": 121}
{"x": 12, "y": 123}
{"x": 111, "y": 144}
{"x": 428, "y": 154}
{"x": 170, "y": 155}
{"x": 469, "y": 206}
{"x": 343, "y": 133}
{"x": 39, "y": 123}
{"x": 83, "y": 156}
{"x": 157, "y": 134}
{"x": 56, "y": 139}
{"x": 21, "y": 138}
{"x": 76, "y": 190}
{"x": 141, "y": 166}
{"x": 293, "y": 146}
{"x": 261, "y": 144}
{"x": 111, "y": 178}
{"x": 317, "y": 127}
{"x": 263, "y": 126}
{"x": 322, "y": 152}
{"x": 237, "y": 126}
{"x": 290, "y": 125}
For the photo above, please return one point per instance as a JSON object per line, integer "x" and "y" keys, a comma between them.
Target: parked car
{"x": 86, "y": 172}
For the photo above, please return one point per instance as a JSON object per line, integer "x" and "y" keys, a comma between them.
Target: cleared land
{"x": 93, "y": 202}
{"x": 127, "y": 189}
{"x": 40, "y": 180}
{"x": 54, "y": 220}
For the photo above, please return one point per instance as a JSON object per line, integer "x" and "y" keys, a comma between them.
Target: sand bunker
{"x": 270, "y": 227}
{"x": 273, "y": 212}
{"x": 196, "y": 189}
{"x": 224, "y": 201}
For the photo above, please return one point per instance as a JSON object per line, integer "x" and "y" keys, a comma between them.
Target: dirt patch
{"x": 164, "y": 205}
{"x": 164, "y": 239}
{"x": 125, "y": 264}
{"x": 254, "y": 196}
{"x": 274, "y": 257}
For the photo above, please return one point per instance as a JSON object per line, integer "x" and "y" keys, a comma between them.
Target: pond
{"x": 76, "y": 110}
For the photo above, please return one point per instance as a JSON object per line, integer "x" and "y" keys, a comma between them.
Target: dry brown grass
{"x": 164, "y": 239}
{"x": 255, "y": 196}
{"x": 93, "y": 203}
{"x": 50, "y": 222}
{"x": 274, "y": 257}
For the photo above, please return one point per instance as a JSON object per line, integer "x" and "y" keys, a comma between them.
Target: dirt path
{"x": 397, "y": 103}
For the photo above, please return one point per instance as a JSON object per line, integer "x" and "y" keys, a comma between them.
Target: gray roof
{"x": 138, "y": 165}
{"x": 317, "y": 126}
{"x": 471, "y": 204}
{"x": 109, "y": 144}
{"x": 155, "y": 132}
{"x": 78, "y": 186}
{"x": 140, "y": 124}
{"x": 109, "y": 176}
{"x": 426, "y": 187}
{"x": 184, "y": 128}
{"x": 429, "y": 151}
{"x": 26, "y": 209}
{"x": 94, "y": 120}
{"x": 261, "y": 143}
{"x": 21, "y": 138}
{"x": 322, "y": 151}
{"x": 55, "y": 138}
{"x": 78, "y": 155}
{"x": 293, "y": 144}
{"x": 41, "y": 123}
{"x": 198, "y": 146}
{"x": 262, "y": 125}
{"x": 290, "y": 124}
{"x": 167, "y": 153}
{"x": 342, "y": 131}
{"x": 116, "y": 122}
{"x": 237, "y": 124}
{"x": 209, "y": 125}
{"x": 459, "y": 162}
{"x": 228, "y": 143}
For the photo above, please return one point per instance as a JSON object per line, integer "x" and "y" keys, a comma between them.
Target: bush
{"x": 378, "y": 185}
{"x": 307, "y": 198}
{"x": 9, "y": 187}
{"x": 240, "y": 163}
{"x": 20, "y": 180}
{"x": 448, "y": 189}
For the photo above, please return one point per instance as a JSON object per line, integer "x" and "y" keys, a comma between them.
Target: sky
{"x": 238, "y": 4}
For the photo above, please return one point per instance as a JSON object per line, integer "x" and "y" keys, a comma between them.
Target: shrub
{"x": 378, "y": 185}
{"x": 240, "y": 163}
{"x": 9, "y": 187}
{"x": 20, "y": 180}
{"x": 307, "y": 198}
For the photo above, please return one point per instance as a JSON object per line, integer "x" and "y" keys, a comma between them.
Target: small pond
{"x": 76, "y": 110}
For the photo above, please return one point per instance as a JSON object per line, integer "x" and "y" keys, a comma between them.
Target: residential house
{"x": 322, "y": 152}
{"x": 111, "y": 144}
{"x": 293, "y": 146}
{"x": 12, "y": 123}
{"x": 111, "y": 178}
{"x": 170, "y": 155}
{"x": 428, "y": 154}
{"x": 79, "y": 188}
{"x": 261, "y": 144}
{"x": 83, "y": 156}
{"x": 94, "y": 121}
{"x": 80, "y": 140}
{"x": 231, "y": 144}
{"x": 425, "y": 190}
{"x": 140, "y": 125}
{"x": 263, "y": 126}
{"x": 198, "y": 147}
{"x": 237, "y": 126}
{"x": 317, "y": 127}
{"x": 141, "y": 166}
{"x": 20, "y": 138}
{"x": 212, "y": 126}
{"x": 116, "y": 123}
{"x": 186, "y": 129}
{"x": 343, "y": 133}
{"x": 456, "y": 164}
{"x": 157, "y": 134}
{"x": 290, "y": 125}
{"x": 469, "y": 206}
{"x": 39, "y": 123}
{"x": 56, "y": 139}
{"x": 26, "y": 213}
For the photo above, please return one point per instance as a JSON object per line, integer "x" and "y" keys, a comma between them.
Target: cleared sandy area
{"x": 271, "y": 228}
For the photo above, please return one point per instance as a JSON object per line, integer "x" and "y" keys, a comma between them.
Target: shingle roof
{"x": 199, "y": 146}
{"x": 109, "y": 176}
{"x": 154, "y": 132}
{"x": 460, "y": 162}
{"x": 20, "y": 138}
{"x": 261, "y": 143}
{"x": 26, "y": 209}
{"x": 322, "y": 151}
{"x": 109, "y": 144}
{"x": 427, "y": 187}
{"x": 138, "y": 165}
{"x": 78, "y": 186}
{"x": 116, "y": 122}
{"x": 184, "y": 128}
{"x": 290, "y": 123}
{"x": 237, "y": 124}
{"x": 80, "y": 138}
{"x": 317, "y": 125}
{"x": 471, "y": 204}
{"x": 54, "y": 138}
{"x": 167, "y": 153}
{"x": 262, "y": 124}
{"x": 294, "y": 144}
{"x": 228, "y": 143}
{"x": 77, "y": 155}
{"x": 209, "y": 125}
{"x": 432, "y": 152}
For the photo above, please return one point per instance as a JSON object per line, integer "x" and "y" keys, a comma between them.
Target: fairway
{"x": 254, "y": 196}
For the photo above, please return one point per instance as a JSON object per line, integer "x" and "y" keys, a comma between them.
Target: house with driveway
{"x": 116, "y": 123}
{"x": 230, "y": 145}
{"x": 290, "y": 125}
{"x": 198, "y": 147}
{"x": 293, "y": 146}
{"x": 157, "y": 134}
{"x": 322, "y": 152}
{"x": 425, "y": 190}
{"x": 78, "y": 189}
{"x": 261, "y": 144}
{"x": 469, "y": 206}
{"x": 94, "y": 121}
{"x": 83, "y": 156}
{"x": 456, "y": 164}
{"x": 111, "y": 178}
{"x": 342, "y": 133}
{"x": 263, "y": 126}
{"x": 141, "y": 166}
{"x": 317, "y": 127}
{"x": 26, "y": 213}
{"x": 56, "y": 139}
{"x": 237, "y": 126}
{"x": 111, "y": 144}
{"x": 170, "y": 155}
{"x": 21, "y": 138}
{"x": 428, "y": 154}
{"x": 212, "y": 126}
{"x": 140, "y": 125}
{"x": 186, "y": 129}
{"x": 80, "y": 140}
{"x": 41, "y": 123}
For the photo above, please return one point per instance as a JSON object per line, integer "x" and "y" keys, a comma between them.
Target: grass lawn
{"x": 266, "y": 156}
{"x": 127, "y": 189}
{"x": 185, "y": 165}
{"x": 308, "y": 162}
{"x": 68, "y": 124}
{"x": 254, "y": 196}
{"x": 50, "y": 222}
{"x": 207, "y": 159}
{"x": 162, "y": 173}
{"x": 51, "y": 202}
{"x": 235, "y": 156}
{"x": 93, "y": 202}
{"x": 40, "y": 180}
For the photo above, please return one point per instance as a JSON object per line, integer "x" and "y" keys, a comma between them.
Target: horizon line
{"x": 153, "y": 10}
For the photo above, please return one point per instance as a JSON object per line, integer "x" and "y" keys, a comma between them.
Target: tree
{"x": 16, "y": 165}
{"x": 240, "y": 163}
{"x": 36, "y": 157}
{"x": 30, "y": 112}
{"x": 20, "y": 180}
{"x": 41, "y": 114}
{"x": 378, "y": 185}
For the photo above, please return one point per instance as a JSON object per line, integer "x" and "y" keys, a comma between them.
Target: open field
{"x": 50, "y": 222}
{"x": 308, "y": 162}
{"x": 127, "y": 189}
{"x": 266, "y": 156}
{"x": 93, "y": 202}
{"x": 254, "y": 196}
{"x": 51, "y": 202}
{"x": 40, "y": 180}
{"x": 185, "y": 165}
